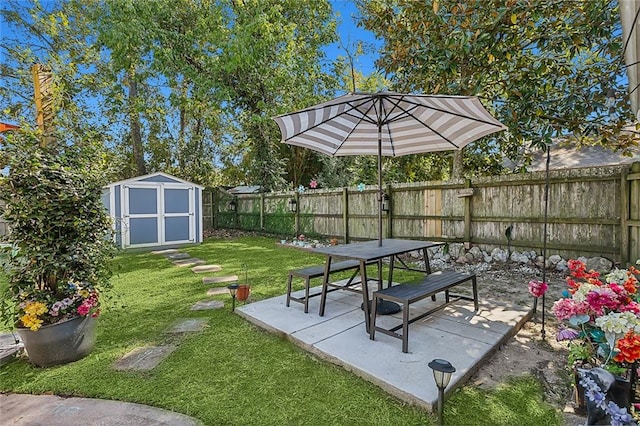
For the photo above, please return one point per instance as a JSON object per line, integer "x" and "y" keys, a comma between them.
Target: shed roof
{"x": 151, "y": 175}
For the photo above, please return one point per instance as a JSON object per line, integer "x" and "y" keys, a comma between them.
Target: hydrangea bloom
{"x": 617, "y": 322}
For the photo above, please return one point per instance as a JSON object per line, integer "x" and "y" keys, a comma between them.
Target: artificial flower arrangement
{"x": 603, "y": 327}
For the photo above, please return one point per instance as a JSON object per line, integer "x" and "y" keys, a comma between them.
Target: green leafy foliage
{"x": 543, "y": 68}
{"x": 58, "y": 225}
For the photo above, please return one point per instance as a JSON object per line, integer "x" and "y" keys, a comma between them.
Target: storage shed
{"x": 154, "y": 210}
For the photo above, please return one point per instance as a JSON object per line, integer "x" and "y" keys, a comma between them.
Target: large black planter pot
{"x": 617, "y": 389}
{"x": 60, "y": 343}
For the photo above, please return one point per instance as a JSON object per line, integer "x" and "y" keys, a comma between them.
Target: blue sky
{"x": 350, "y": 34}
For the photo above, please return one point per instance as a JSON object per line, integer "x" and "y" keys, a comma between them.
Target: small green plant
{"x": 57, "y": 264}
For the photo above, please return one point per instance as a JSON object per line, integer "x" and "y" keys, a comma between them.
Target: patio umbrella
{"x": 388, "y": 124}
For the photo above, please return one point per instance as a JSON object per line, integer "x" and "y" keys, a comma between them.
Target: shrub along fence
{"x": 3, "y": 225}
{"x": 591, "y": 212}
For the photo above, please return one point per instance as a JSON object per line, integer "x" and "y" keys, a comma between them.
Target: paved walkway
{"x": 50, "y": 410}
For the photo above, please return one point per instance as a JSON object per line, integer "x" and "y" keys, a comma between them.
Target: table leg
{"x": 427, "y": 265}
{"x": 325, "y": 286}
{"x": 365, "y": 293}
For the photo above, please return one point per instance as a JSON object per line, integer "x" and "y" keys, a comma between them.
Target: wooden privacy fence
{"x": 591, "y": 212}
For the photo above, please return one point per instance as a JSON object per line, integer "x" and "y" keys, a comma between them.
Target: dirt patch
{"x": 528, "y": 352}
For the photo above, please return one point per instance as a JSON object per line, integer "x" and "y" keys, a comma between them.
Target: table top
{"x": 370, "y": 250}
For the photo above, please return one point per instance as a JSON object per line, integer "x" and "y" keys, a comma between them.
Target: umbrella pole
{"x": 379, "y": 183}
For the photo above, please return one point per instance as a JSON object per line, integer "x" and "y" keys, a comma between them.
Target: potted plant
{"x": 58, "y": 259}
{"x": 602, "y": 326}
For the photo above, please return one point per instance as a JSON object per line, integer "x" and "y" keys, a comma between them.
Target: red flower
{"x": 631, "y": 285}
{"x": 629, "y": 347}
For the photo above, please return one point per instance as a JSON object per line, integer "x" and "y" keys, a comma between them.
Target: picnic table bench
{"x": 312, "y": 272}
{"x": 408, "y": 293}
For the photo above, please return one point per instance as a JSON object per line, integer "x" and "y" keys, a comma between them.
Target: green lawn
{"x": 235, "y": 373}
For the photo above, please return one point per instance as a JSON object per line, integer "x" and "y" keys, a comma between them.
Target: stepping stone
{"x": 217, "y": 290}
{"x": 207, "y": 305}
{"x": 176, "y": 256}
{"x": 189, "y": 325}
{"x": 185, "y": 263}
{"x": 9, "y": 348}
{"x": 219, "y": 280}
{"x": 206, "y": 268}
{"x": 143, "y": 359}
{"x": 167, "y": 251}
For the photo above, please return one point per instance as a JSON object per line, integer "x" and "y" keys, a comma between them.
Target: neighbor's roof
{"x": 244, "y": 189}
{"x": 570, "y": 157}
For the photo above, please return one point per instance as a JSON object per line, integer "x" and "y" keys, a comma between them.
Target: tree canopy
{"x": 189, "y": 87}
{"x": 543, "y": 67}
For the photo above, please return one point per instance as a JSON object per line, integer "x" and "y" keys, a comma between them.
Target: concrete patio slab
{"x": 456, "y": 333}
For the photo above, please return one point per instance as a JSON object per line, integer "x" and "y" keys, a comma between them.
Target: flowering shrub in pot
{"x": 59, "y": 249}
{"x": 601, "y": 322}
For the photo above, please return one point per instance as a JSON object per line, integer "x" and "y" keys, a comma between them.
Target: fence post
{"x": 467, "y": 217}
{"x": 296, "y": 196}
{"x": 213, "y": 199}
{"x": 624, "y": 217}
{"x": 262, "y": 211}
{"x": 345, "y": 213}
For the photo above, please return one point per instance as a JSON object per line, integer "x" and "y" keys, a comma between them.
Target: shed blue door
{"x": 178, "y": 215}
{"x": 142, "y": 215}
{"x": 157, "y": 214}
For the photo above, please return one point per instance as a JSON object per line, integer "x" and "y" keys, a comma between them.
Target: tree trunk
{"x": 456, "y": 173}
{"x": 134, "y": 118}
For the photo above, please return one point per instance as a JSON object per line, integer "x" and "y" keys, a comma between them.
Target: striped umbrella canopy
{"x": 388, "y": 124}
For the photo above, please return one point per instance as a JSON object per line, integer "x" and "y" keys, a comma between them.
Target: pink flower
{"x": 537, "y": 288}
{"x": 601, "y": 298}
{"x": 563, "y": 309}
{"x": 630, "y": 307}
{"x": 313, "y": 184}
{"x": 618, "y": 289}
{"x": 84, "y": 309}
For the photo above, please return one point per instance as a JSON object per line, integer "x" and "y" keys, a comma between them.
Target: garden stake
{"x": 544, "y": 237}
